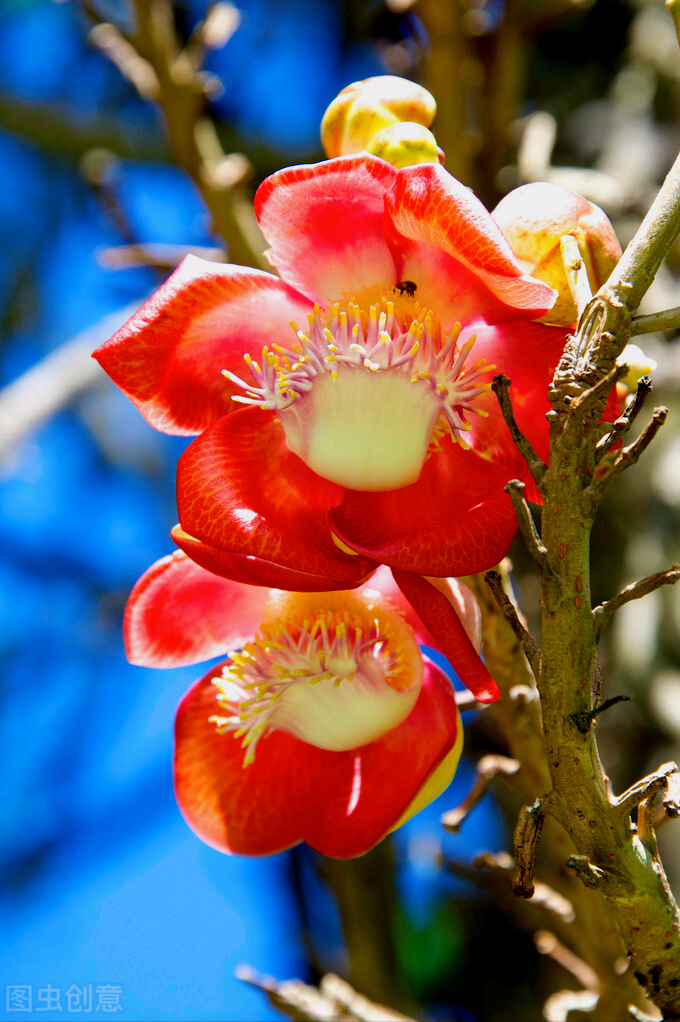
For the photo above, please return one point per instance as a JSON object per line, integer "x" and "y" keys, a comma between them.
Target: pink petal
{"x": 451, "y": 639}
{"x": 168, "y": 358}
{"x": 241, "y": 491}
{"x": 341, "y": 803}
{"x": 324, "y": 223}
{"x": 179, "y": 614}
{"x": 445, "y": 241}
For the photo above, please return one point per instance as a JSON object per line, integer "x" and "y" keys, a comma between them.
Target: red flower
{"x": 328, "y": 727}
{"x": 353, "y": 446}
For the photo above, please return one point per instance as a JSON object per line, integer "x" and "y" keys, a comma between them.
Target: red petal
{"x": 248, "y": 811}
{"x": 341, "y": 803}
{"x": 462, "y": 601}
{"x": 455, "y": 253}
{"x": 241, "y": 491}
{"x": 324, "y": 223}
{"x": 451, "y": 638}
{"x": 169, "y": 357}
{"x": 353, "y": 799}
{"x": 455, "y": 520}
{"x": 255, "y": 571}
{"x": 179, "y": 614}
{"x": 527, "y": 353}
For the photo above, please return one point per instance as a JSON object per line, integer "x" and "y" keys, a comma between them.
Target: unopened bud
{"x": 534, "y": 218}
{"x": 364, "y": 108}
{"x": 638, "y": 364}
{"x": 406, "y": 143}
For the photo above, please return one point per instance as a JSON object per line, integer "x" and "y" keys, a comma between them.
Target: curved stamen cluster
{"x": 390, "y": 336}
{"x": 335, "y": 647}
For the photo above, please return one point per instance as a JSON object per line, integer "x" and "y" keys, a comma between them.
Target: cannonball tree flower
{"x": 366, "y": 433}
{"x": 328, "y": 725}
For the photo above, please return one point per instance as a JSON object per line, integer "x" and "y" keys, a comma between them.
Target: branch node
{"x": 590, "y": 876}
{"x": 587, "y": 401}
{"x": 501, "y": 388}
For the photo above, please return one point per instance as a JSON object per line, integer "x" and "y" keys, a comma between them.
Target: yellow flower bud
{"x": 639, "y": 365}
{"x": 534, "y": 217}
{"x": 404, "y": 144}
{"x": 364, "y": 108}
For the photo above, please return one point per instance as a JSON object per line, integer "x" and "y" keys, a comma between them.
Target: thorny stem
{"x": 610, "y": 857}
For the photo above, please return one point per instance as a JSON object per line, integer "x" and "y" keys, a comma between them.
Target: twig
{"x": 525, "y": 843}
{"x": 576, "y": 272}
{"x": 558, "y": 1007}
{"x": 671, "y": 800}
{"x": 501, "y": 388}
{"x": 155, "y": 62}
{"x": 488, "y": 768}
{"x": 603, "y": 614}
{"x": 159, "y": 256}
{"x": 214, "y": 31}
{"x": 529, "y": 645}
{"x": 502, "y": 864}
{"x": 54, "y": 382}
{"x": 583, "y": 719}
{"x": 515, "y": 490}
{"x": 627, "y": 418}
{"x": 333, "y": 1001}
{"x": 667, "y": 320}
{"x": 548, "y": 944}
{"x": 109, "y": 41}
{"x": 629, "y": 455}
{"x": 645, "y": 788}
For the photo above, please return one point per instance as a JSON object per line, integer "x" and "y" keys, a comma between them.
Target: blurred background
{"x": 101, "y": 882}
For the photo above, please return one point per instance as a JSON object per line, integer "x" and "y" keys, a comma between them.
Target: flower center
{"x": 336, "y": 670}
{"x": 364, "y": 392}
